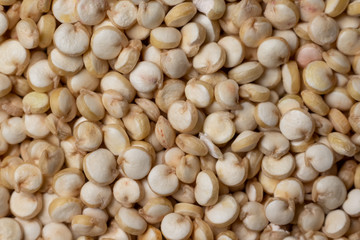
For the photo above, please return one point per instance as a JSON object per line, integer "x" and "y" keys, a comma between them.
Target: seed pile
{"x": 180, "y": 119}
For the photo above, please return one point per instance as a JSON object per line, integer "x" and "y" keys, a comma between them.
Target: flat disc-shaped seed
{"x": 224, "y": 212}
{"x": 28, "y": 178}
{"x": 283, "y": 14}
{"x": 279, "y": 211}
{"x": 318, "y": 77}
{"x": 206, "y": 188}
{"x": 123, "y": 14}
{"x": 63, "y": 64}
{"x": 67, "y": 182}
{"x": 235, "y": 50}
{"x": 64, "y": 10}
{"x": 25, "y": 205}
{"x": 107, "y": 42}
{"x": 329, "y": 192}
{"x": 323, "y": 29}
{"x": 100, "y": 166}
{"x": 91, "y": 12}
{"x": 183, "y": 227}
{"x": 155, "y": 209}
{"x": 41, "y": 77}
{"x": 163, "y": 180}
{"x": 95, "y": 196}
{"x": 252, "y": 214}
{"x": 165, "y": 37}
{"x": 297, "y": 124}
{"x": 336, "y": 224}
{"x": 341, "y": 144}
{"x": 320, "y": 157}
{"x": 219, "y": 127}
{"x": 290, "y": 188}
{"x": 116, "y": 81}
{"x": 146, "y": 77}
{"x": 10, "y": 229}
{"x": 210, "y": 58}
{"x": 130, "y": 221}
{"x": 278, "y": 168}
{"x": 115, "y": 138}
{"x": 64, "y": 208}
{"x": 304, "y": 172}
{"x": 127, "y": 191}
{"x": 273, "y": 52}
{"x": 14, "y": 58}
{"x": 71, "y": 39}
{"x": 351, "y": 204}
{"x": 135, "y": 162}
{"x": 182, "y": 116}
{"x": 231, "y": 169}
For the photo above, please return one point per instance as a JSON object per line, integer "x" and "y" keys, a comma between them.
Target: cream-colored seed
{"x": 348, "y": 41}
{"x": 72, "y": 39}
{"x": 315, "y": 102}
{"x": 308, "y": 53}
{"x": 95, "y": 66}
{"x": 64, "y": 65}
{"x": 174, "y": 63}
{"x": 224, "y": 212}
{"x": 297, "y": 124}
{"x": 27, "y": 178}
{"x": 25, "y": 205}
{"x": 165, "y": 37}
{"x": 116, "y": 81}
{"x": 183, "y": 227}
{"x": 231, "y": 169}
{"x": 212, "y": 27}
{"x": 135, "y": 162}
{"x": 14, "y": 58}
{"x": 27, "y": 33}
{"x": 193, "y": 35}
{"x": 329, "y": 192}
{"x": 279, "y": 211}
{"x": 88, "y": 225}
{"x": 219, "y": 127}
{"x": 41, "y": 77}
{"x": 137, "y": 32}
{"x": 246, "y": 72}
{"x": 291, "y": 77}
{"x": 288, "y": 11}
{"x": 10, "y": 229}
{"x": 334, "y": 8}
{"x": 95, "y": 196}
{"x": 336, "y": 224}
{"x": 311, "y": 218}
{"x": 118, "y": 119}
{"x": 323, "y": 29}
{"x": 107, "y": 42}
{"x": 123, "y": 14}
{"x": 246, "y": 141}
{"x": 274, "y": 144}
{"x": 270, "y": 79}
{"x": 210, "y": 58}
{"x": 254, "y": 30}
{"x": 273, "y": 52}
{"x": 150, "y": 14}
{"x": 149, "y": 82}
{"x": 180, "y": 14}
{"x": 100, "y": 172}
{"x": 353, "y": 8}
{"x": 285, "y": 166}
{"x": 244, "y": 10}
{"x": 254, "y": 92}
